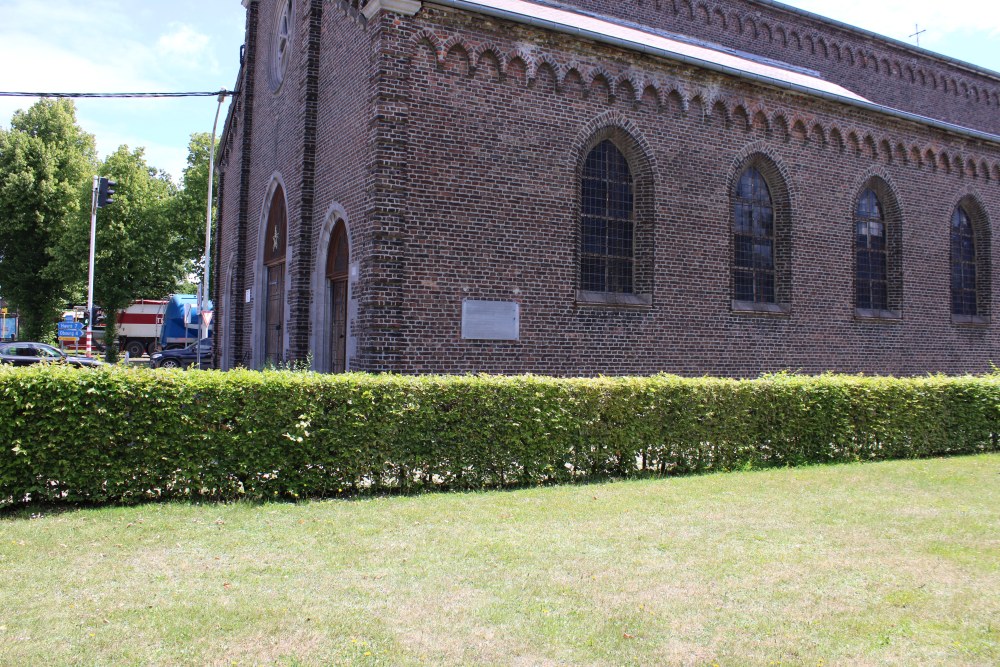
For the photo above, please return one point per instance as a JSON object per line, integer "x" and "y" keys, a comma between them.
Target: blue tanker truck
{"x": 182, "y": 321}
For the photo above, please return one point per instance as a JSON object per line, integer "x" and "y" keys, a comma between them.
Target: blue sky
{"x": 193, "y": 45}
{"x": 124, "y": 46}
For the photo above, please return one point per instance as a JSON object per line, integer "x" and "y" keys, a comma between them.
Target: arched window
{"x": 963, "y": 264}
{"x": 871, "y": 279}
{"x": 275, "y": 243}
{"x": 878, "y": 252}
{"x": 753, "y": 240}
{"x": 280, "y": 43}
{"x": 607, "y": 226}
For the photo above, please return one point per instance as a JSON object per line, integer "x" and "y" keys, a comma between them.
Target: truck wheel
{"x": 152, "y": 347}
{"x": 135, "y": 348}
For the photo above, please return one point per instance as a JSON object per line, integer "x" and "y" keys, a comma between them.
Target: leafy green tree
{"x": 190, "y": 203}
{"x": 133, "y": 257}
{"x": 46, "y": 161}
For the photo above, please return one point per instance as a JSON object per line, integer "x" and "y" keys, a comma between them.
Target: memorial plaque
{"x": 491, "y": 320}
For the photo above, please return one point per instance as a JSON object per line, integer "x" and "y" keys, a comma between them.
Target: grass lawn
{"x": 892, "y": 563}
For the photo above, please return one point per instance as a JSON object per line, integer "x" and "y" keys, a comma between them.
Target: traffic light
{"x": 105, "y": 190}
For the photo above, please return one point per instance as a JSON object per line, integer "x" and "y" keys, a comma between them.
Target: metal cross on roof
{"x": 918, "y": 32}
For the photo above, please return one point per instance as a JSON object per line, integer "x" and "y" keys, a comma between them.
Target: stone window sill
{"x": 614, "y": 300}
{"x": 970, "y": 320}
{"x": 755, "y": 308}
{"x": 876, "y": 316}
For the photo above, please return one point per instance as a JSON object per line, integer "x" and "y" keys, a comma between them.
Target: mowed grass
{"x": 893, "y": 563}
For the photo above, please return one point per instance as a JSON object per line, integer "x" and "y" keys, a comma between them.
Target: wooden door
{"x": 338, "y": 333}
{"x": 337, "y": 262}
{"x": 275, "y": 313}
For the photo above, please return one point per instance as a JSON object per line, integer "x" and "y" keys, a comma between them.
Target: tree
{"x": 191, "y": 201}
{"x": 46, "y": 161}
{"x": 134, "y": 257}
{"x": 148, "y": 239}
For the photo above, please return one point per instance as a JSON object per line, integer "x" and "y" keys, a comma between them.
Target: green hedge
{"x": 121, "y": 434}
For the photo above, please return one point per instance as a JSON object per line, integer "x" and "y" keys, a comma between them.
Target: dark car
{"x": 184, "y": 357}
{"x": 25, "y": 354}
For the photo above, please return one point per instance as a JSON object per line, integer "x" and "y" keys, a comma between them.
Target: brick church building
{"x": 583, "y": 187}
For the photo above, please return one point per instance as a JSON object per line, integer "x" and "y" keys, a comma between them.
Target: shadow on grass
{"x": 29, "y": 510}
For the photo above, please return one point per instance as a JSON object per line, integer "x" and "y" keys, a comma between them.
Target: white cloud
{"x": 185, "y": 46}
{"x": 58, "y": 69}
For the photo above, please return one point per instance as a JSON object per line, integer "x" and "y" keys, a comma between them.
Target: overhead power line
{"x": 214, "y": 93}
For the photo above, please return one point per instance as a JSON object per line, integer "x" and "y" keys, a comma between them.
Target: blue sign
{"x": 70, "y": 329}
{"x": 8, "y": 327}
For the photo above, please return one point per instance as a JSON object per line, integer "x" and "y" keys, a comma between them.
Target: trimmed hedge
{"x": 123, "y": 435}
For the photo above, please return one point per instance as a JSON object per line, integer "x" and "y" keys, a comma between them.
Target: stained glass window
{"x": 753, "y": 240}
{"x": 871, "y": 280}
{"x": 607, "y": 222}
{"x": 963, "y": 264}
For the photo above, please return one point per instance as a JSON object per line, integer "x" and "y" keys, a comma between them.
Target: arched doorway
{"x": 337, "y": 263}
{"x": 275, "y": 243}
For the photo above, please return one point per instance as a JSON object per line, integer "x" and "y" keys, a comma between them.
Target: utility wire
{"x": 216, "y": 93}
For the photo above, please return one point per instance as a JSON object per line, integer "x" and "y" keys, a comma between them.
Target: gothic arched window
{"x": 753, "y": 240}
{"x": 607, "y": 225}
{"x": 871, "y": 248}
{"x": 963, "y": 265}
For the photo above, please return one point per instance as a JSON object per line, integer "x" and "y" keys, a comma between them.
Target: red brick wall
{"x": 347, "y": 137}
{"x": 491, "y": 214}
{"x": 457, "y": 173}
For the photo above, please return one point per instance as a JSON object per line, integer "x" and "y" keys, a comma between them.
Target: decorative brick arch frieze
{"x": 773, "y": 30}
{"x": 877, "y": 179}
{"x": 711, "y": 99}
{"x": 761, "y": 156}
{"x": 638, "y": 152}
{"x": 971, "y": 201}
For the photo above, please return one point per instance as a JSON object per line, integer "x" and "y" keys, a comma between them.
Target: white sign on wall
{"x": 491, "y": 320}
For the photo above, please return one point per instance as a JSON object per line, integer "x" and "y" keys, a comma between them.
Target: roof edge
{"x": 885, "y": 38}
{"x": 472, "y": 6}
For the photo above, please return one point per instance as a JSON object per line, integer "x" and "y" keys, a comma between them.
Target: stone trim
{"x": 616, "y": 299}
{"x": 755, "y": 308}
{"x": 878, "y": 316}
{"x": 404, "y": 7}
{"x": 970, "y": 320}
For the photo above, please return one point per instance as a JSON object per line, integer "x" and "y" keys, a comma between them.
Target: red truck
{"x": 139, "y": 328}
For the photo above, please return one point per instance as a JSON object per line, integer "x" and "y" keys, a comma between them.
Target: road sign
{"x": 206, "y": 317}
{"x": 71, "y": 330}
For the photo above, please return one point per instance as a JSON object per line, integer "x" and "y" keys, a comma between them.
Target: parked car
{"x": 25, "y": 354}
{"x": 184, "y": 357}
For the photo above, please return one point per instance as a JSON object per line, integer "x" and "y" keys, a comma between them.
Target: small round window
{"x": 281, "y": 43}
